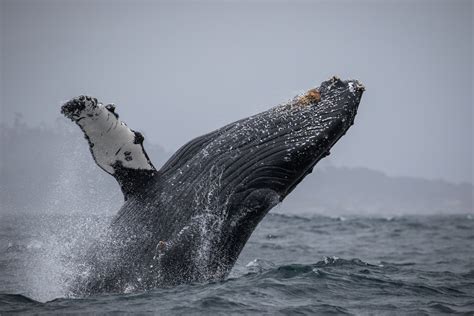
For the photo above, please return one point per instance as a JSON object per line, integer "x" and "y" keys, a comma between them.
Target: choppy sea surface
{"x": 291, "y": 265}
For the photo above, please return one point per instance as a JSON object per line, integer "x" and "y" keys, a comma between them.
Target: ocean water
{"x": 291, "y": 265}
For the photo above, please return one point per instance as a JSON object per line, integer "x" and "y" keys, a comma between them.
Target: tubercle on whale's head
{"x": 351, "y": 89}
{"x": 311, "y": 97}
{"x": 341, "y": 94}
{"x": 340, "y": 100}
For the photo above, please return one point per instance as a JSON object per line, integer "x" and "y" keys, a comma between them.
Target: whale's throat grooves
{"x": 189, "y": 221}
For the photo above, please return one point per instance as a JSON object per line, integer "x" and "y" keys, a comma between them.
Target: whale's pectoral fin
{"x": 116, "y": 149}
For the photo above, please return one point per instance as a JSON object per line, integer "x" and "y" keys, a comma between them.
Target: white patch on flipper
{"x": 111, "y": 140}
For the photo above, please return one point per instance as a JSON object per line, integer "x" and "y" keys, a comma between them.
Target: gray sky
{"x": 179, "y": 69}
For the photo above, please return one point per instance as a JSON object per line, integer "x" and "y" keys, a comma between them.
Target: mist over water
{"x": 351, "y": 239}
{"x": 417, "y": 264}
{"x": 41, "y": 253}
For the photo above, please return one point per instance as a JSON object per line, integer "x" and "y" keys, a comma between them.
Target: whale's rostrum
{"x": 189, "y": 220}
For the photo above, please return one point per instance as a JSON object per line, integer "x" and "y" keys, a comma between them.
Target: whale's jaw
{"x": 189, "y": 221}
{"x": 244, "y": 169}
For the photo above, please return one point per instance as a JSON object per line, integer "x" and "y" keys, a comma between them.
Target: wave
{"x": 7, "y": 299}
{"x": 400, "y": 265}
{"x": 332, "y": 285}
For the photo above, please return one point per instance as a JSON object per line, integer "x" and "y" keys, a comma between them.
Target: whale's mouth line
{"x": 230, "y": 178}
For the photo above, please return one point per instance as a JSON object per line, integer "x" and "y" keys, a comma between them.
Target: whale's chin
{"x": 189, "y": 221}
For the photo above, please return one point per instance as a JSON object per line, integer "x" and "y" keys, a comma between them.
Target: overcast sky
{"x": 179, "y": 69}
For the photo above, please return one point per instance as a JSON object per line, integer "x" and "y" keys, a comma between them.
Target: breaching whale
{"x": 188, "y": 221}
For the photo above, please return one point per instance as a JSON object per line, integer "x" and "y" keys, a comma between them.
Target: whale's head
{"x": 273, "y": 150}
{"x": 276, "y": 149}
{"x": 239, "y": 172}
{"x": 314, "y": 122}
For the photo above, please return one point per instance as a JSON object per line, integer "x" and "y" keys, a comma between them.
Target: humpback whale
{"x": 188, "y": 221}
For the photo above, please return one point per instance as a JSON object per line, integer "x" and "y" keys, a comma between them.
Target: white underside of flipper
{"x": 113, "y": 144}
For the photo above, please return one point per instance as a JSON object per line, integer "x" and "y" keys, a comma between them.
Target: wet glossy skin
{"x": 190, "y": 221}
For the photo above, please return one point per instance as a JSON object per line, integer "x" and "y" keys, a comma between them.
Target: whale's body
{"x": 189, "y": 221}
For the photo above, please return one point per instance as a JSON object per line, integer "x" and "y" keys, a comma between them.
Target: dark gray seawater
{"x": 291, "y": 265}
